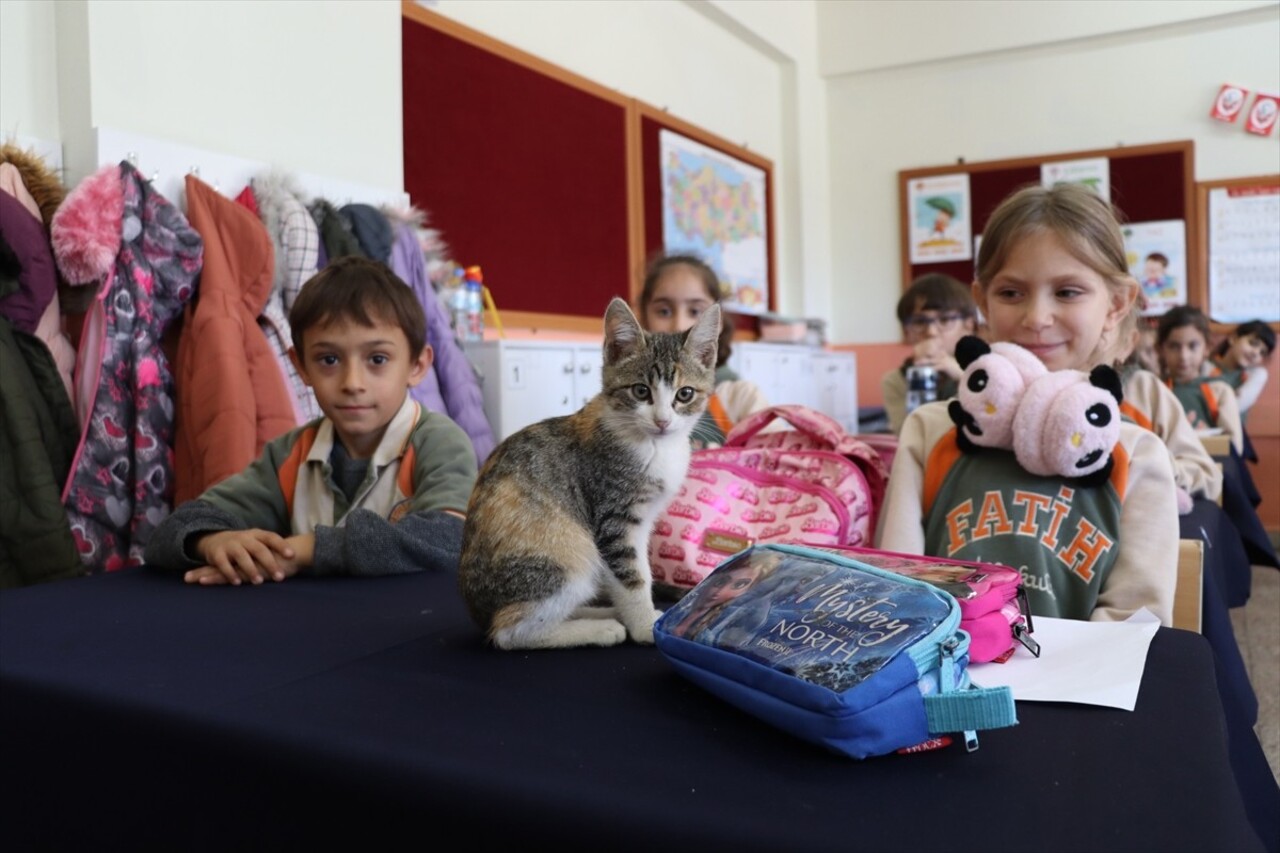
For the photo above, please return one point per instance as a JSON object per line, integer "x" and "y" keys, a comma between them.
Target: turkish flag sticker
{"x": 1263, "y": 115}
{"x": 1230, "y": 100}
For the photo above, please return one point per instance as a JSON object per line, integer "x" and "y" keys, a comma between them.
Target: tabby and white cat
{"x": 563, "y": 509}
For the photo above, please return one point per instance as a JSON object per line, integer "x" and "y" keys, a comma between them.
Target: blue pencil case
{"x": 859, "y": 660}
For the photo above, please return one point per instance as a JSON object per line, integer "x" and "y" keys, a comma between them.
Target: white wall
{"x": 1141, "y": 86}
{"x": 28, "y": 71}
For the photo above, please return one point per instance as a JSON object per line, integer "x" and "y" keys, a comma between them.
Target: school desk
{"x": 137, "y": 712}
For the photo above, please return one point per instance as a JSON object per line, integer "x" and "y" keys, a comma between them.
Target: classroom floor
{"x": 1257, "y": 629}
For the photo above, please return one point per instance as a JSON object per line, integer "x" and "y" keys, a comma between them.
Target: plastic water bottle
{"x": 475, "y": 304}
{"x": 459, "y": 307}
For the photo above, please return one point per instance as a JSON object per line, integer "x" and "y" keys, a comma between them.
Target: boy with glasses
{"x": 936, "y": 311}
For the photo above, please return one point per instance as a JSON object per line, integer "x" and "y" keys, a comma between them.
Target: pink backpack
{"x": 814, "y": 484}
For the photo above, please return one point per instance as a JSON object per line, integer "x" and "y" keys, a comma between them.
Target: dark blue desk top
{"x": 138, "y": 711}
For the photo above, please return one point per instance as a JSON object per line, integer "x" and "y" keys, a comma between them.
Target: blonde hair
{"x": 1089, "y": 229}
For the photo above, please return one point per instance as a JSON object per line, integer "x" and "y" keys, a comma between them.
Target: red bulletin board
{"x": 521, "y": 165}
{"x": 1148, "y": 183}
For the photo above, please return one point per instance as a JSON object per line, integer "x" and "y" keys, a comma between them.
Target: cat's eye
{"x": 685, "y": 394}
{"x": 977, "y": 380}
{"x": 640, "y": 391}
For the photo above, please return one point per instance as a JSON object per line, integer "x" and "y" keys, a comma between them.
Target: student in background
{"x": 1182, "y": 339}
{"x": 1052, "y": 278}
{"x": 936, "y": 311}
{"x": 379, "y": 485}
{"x": 1239, "y": 361}
{"x": 676, "y": 290}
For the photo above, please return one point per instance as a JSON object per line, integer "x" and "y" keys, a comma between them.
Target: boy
{"x": 935, "y": 312}
{"x": 377, "y": 486}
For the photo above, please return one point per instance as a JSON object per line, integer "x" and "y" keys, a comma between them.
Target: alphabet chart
{"x": 1244, "y": 253}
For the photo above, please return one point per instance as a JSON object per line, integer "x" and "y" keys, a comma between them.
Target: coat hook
{"x": 132, "y": 157}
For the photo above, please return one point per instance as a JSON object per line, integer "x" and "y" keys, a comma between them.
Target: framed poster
{"x": 1157, "y": 256}
{"x": 939, "y": 213}
{"x": 715, "y": 205}
{"x": 1092, "y": 172}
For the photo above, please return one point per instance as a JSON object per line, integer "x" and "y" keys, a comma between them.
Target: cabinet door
{"x": 537, "y": 383}
{"x": 587, "y": 361}
{"x": 782, "y": 372}
{"x": 836, "y": 387}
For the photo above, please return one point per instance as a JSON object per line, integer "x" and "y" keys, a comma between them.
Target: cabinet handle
{"x": 568, "y": 367}
{"x": 565, "y": 401}
{"x": 584, "y": 369}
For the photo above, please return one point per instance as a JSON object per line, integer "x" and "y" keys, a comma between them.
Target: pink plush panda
{"x": 995, "y": 378}
{"x": 1067, "y": 424}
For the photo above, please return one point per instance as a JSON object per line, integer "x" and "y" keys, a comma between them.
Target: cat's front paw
{"x": 643, "y": 633}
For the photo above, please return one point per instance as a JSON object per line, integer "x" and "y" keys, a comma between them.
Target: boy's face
{"x": 1152, "y": 269}
{"x": 360, "y": 375}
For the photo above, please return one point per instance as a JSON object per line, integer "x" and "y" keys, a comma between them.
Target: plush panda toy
{"x": 1067, "y": 424}
{"x": 994, "y": 380}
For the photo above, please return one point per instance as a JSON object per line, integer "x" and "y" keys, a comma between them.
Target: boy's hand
{"x": 931, "y": 353}
{"x": 251, "y": 555}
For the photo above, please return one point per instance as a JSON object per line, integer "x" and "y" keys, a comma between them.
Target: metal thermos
{"x": 922, "y": 386}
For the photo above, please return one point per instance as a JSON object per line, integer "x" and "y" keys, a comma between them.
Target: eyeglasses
{"x": 946, "y": 322}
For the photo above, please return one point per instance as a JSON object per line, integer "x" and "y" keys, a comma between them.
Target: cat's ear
{"x": 704, "y": 337}
{"x": 622, "y": 332}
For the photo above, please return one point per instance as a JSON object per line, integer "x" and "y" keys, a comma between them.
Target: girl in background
{"x": 1052, "y": 278}
{"x": 1182, "y": 339}
{"x": 1239, "y": 361}
{"x": 676, "y": 290}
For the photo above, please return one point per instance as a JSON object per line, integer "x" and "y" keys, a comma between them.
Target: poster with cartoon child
{"x": 1157, "y": 256}
{"x": 939, "y": 213}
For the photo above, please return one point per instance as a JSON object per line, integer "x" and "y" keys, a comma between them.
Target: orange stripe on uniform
{"x": 941, "y": 458}
{"x": 1131, "y": 411}
{"x": 1211, "y": 401}
{"x": 404, "y": 482}
{"x": 716, "y": 409}
{"x": 289, "y": 468}
{"x": 1120, "y": 470}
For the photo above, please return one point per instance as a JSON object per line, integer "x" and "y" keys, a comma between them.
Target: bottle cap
{"x": 475, "y": 274}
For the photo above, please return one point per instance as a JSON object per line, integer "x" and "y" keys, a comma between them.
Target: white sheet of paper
{"x": 1091, "y": 663}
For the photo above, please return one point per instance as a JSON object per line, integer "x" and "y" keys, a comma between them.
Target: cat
{"x": 562, "y": 511}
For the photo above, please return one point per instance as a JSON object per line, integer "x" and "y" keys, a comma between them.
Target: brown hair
{"x": 660, "y": 264}
{"x": 358, "y": 289}
{"x": 1176, "y": 318}
{"x": 937, "y": 291}
{"x": 1088, "y": 227}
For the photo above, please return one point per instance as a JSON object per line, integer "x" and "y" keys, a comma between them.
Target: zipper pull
{"x": 1022, "y": 634}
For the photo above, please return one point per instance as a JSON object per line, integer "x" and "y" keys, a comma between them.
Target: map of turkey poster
{"x": 714, "y": 206}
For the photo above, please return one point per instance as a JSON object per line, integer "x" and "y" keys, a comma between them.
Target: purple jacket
{"x": 37, "y": 282}
{"x": 451, "y": 386}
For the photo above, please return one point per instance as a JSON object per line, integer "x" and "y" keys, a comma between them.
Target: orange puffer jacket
{"x": 231, "y": 395}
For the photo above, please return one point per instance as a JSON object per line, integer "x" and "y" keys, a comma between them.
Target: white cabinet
{"x": 528, "y": 381}
{"x": 786, "y": 373}
{"x": 783, "y": 372}
{"x": 835, "y": 383}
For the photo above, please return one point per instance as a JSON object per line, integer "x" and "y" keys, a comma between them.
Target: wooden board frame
{"x": 1186, "y": 179}
{"x": 1203, "y": 188}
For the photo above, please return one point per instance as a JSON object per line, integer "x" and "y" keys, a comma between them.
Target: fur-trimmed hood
{"x": 42, "y": 182}
{"x": 293, "y": 233}
{"x": 86, "y": 229}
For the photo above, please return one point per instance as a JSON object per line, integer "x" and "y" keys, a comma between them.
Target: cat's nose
{"x": 662, "y": 423}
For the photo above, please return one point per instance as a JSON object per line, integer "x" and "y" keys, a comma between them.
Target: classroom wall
{"x": 314, "y": 87}
{"x": 1139, "y": 86}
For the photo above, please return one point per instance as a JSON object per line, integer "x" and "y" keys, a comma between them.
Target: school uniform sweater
{"x": 1247, "y": 383}
{"x": 1211, "y": 403}
{"x": 376, "y": 522}
{"x": 1097, "y": 553}
{"x": 1149, "y": 403}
